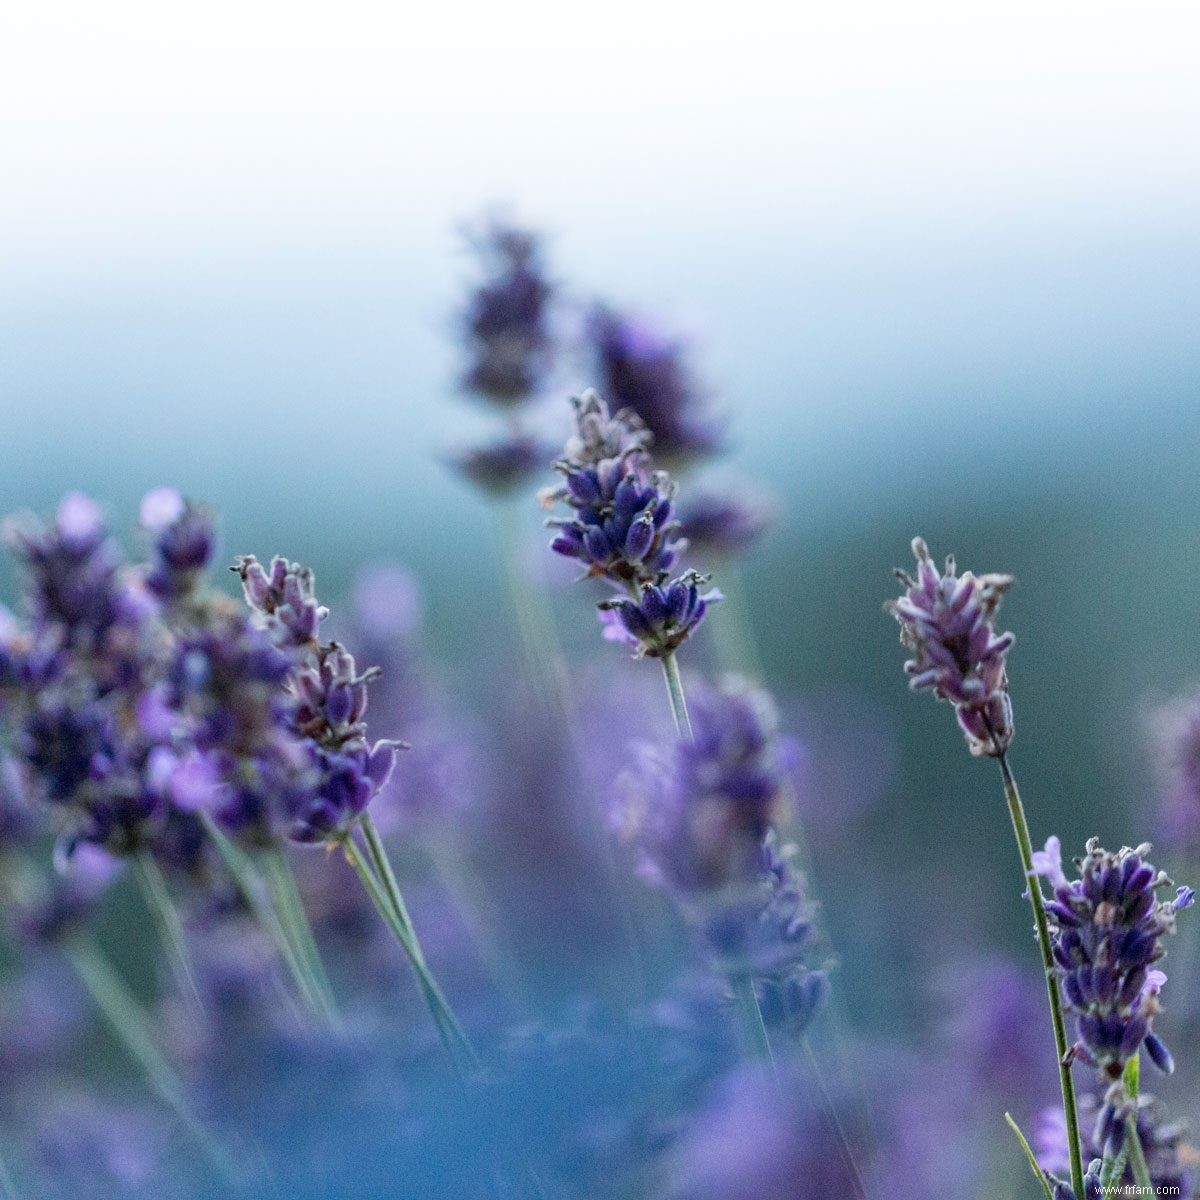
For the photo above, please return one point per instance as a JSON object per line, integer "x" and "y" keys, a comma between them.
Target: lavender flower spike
{"x": 662, "y": 618}
{"x": 1107, "y": 936}
{"x": 947, "y": 622}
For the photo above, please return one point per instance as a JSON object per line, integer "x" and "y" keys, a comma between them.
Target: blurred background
{"x": 938, "y": 265}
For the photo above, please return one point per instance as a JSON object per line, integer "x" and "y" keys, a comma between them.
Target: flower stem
{"x": 1016, "y": 812}
{"x": 1133, "y": 1143}
{"x": 297, "y": 930}
{"x": 454, "y": 1039}
{"x": 847, "y": 1152}
{"x": 679, "y": 709}
{"x": 249, "y": 886}
{"x": 129, "y": 1022}
{"x": 166, "y": 917}
{"x": 754, "y": 1029}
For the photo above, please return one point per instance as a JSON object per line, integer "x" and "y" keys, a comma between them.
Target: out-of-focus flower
{"x": 507, "y": 321}
{"x": 643, "y": 370}
{"x": 184, "y": 542}
{"x": 723, "y": 524}
{"x": 1107, "y": 936}
{"x": 505, "y": 464}
{"x": 947, "y": 622}
{"x": 701, "y": 820}
{"x": 1176, "y": 732}
{"x": 99, "y": 1148}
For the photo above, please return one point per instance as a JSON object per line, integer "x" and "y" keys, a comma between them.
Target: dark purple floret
{"x": 184, "y": 542}
{"x": 283, "y": 595}
{"x": 505, "y": 464}
{"x": 723, "y": 524}
{"x": 663, "y": 617}
{"x": 1108, "y": 927}
{"x": 947, "y": 622}
{"x": 646, "y": 372}
{"x": 507, "y": 322}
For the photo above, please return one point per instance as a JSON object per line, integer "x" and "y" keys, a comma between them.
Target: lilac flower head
{"x": 947, "y": 622}
{"x": 184, "y": 542}
{"x": 506, "y": 324}
{"x": 648, "y": 373}
{"x": 1108, "y": 927}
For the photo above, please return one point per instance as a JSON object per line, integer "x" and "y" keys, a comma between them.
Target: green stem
{"x": 1020, "y": 826}
{"x": 1133, "y": 1143}
{"x": 129, "y": 1022}
{"x": 1137, "y": 1158}
{"x": 166, "y": 918}
{"x": 294, "y": 921}
{"x": 249, "y": 886}
{"x": 454, "y": 1039}
{"x": 679, "y": 709}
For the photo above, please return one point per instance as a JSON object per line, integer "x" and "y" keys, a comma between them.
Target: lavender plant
{"x": 947, "y": 621}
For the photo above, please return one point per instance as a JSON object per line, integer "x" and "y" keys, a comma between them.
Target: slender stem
{"x": 455, "y": 1041}
{"x": 1020, "y": 826}
{"x": 129, "y": 1022}
{"x": 249, "y": 886}
{"x": 166, "y": 917}
{"x": 754, "y": 1029}
{"x": 679, "y": 709}
{"x": 1137, "y": 1158}
{"x": 844, "y": 1146}
{"x": 294, "y": 921}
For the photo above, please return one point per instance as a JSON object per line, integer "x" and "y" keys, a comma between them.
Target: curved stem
{"x": 1137, "y": 1158}
{"x": 679, "y": 709}
{"x": 831, "y": 1109}
{"x": 1020, "y": 826}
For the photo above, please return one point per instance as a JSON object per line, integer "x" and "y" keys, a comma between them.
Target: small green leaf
{"x": 1038, "y": 1173}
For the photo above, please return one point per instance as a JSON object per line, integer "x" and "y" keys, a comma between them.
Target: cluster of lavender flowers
{"x": 622, "y": 530}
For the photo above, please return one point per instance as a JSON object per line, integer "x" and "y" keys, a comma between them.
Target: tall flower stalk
{"x": 947, "y": 622}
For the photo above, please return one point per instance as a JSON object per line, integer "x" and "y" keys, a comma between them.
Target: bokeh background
{"x": 938, "y": 262}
